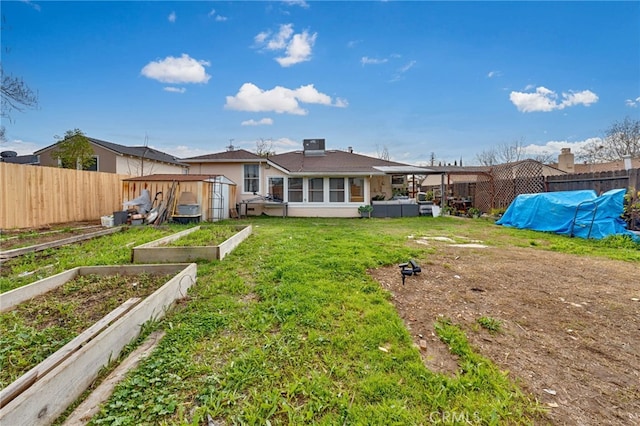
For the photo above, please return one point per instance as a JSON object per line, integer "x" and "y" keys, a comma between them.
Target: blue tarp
{"x": 555, "y": 212}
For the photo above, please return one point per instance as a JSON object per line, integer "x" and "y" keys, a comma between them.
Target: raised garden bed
{"x": 197, "y": 243}
{"x": 43, "y": 392}
{"x": 18, "y": 245}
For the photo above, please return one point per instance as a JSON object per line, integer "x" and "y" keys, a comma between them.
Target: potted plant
{"x": 474, "y": 212}
{"x": 365, "y": 211}
{"x": 447, "y": 210}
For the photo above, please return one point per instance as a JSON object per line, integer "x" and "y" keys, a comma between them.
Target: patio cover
{"x": 555, "y": 212}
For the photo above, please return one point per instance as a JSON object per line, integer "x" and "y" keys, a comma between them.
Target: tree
{"x": 502, "y": 153}
{"x": 488, "y": 157}
{"x": 264, "y": 147}
{"x": 14, "y": 93}
{"x": 74, "y": 150}
{"x": 620, "y": 139}
{"x": 384, "y": 154}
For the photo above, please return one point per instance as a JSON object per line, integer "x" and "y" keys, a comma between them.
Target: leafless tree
{"x": 620, "y": 139}
{"x": 503, "y": 153}
{"x": 264, "y": 147}
{"x": 511, "y": 152}
{"x": 384, "y": 153}
{"x": 15, "y": 95}
{"x": 488, "y": 157}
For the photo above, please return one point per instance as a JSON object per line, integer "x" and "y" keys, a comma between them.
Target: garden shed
{"x": 214, "y": 195}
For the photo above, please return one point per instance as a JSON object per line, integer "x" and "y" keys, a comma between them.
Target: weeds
{"x": 491, "y": 324}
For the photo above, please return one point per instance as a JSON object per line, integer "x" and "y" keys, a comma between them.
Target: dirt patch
{"x": 570, "y": 325}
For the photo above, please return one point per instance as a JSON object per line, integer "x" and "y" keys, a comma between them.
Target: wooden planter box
{"x": 42, "y": 394}
{"x": 8, "y": 254}
{"x": 154, "y": 251}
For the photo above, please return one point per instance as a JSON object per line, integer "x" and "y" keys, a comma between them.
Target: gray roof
{"x": 139, "y": 151}
{"x": 21, "y": 159}
{"x": 332, "y": 162}
{"x": 145, "y": 152}
{"x": 236, "y": 155}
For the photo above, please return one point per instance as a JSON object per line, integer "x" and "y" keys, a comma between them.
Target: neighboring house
{"x": 313, "y": 182}
{"x": 566, "y": 162}
{"x": 487, "y": 187}
{"x": 127, "y": 160}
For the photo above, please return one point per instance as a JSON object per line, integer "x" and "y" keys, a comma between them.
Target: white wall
{"x": 135, "y": 167}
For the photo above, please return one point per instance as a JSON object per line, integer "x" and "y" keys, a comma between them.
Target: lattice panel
{"x": 483, "y": 199}
{"x": 505, "y": 182}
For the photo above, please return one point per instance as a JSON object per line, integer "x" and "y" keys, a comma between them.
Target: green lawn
{"x": 290, "y": 329}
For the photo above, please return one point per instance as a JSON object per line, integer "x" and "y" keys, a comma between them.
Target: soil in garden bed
{"x": 37, "y": 328}
{"x": 206, "y": 236}
{"x": 569, "y": 325}
{"x": 14, "y": 239}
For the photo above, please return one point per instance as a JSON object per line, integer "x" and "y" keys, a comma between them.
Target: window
{"x": 356, "y": 190}
{"x": 276, "y": 188}
{"x": 397, "y": 180}
{"x": 295, "y": 190}
{"x": 336, "y": 190}
{"x": 94, "y": 165}
{"x": 316, "y": 190}
{"x": 251, "y": 178}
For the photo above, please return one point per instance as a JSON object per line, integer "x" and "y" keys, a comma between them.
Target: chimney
{"x": 566, "y": 161}
{"x": 627, "y": 162}
{"x": 350, "y": 149}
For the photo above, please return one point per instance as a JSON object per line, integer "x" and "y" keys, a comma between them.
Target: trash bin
{"x": 120, "y": 218}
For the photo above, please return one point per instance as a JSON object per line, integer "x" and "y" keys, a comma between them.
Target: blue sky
{"x": 414, "y": 77}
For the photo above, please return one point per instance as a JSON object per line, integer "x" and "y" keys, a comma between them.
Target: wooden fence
{"x": 34, "y": 196}
{"x": 598, "y": 181}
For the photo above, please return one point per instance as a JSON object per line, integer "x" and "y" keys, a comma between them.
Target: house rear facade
{"x": 313, "y": 182}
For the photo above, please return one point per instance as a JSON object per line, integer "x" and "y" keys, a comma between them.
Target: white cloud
{"x": 407, "y": 67}
{"x": 546, "y": 100}
{"x": 285, "y": 145}
{"x": 372, "y": 61}
{"x": 493, "y": 74}
{"x": 177, "y": 70}
{"x": 555, "y": 147}
{"x": 280, "y": 40}
{"x": 261, "y": 122}
{"x": 402, "y": 70}
{"x": 20, "y": 147}
{"x": 261, "y": 37}
{"x": 301, "y": 3}
{"x": 172, "y": 17}
{"x": 183, "y": 151}
{"x": 217, "y": 17}
{"x": 35, "y": 6}
{"x": 175, "y": 89}
{"x": 279, "y": 99}
{"x": 297, "y": 47}
{"x": 632, "y": 102}
{"x": 341, "y": 103}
